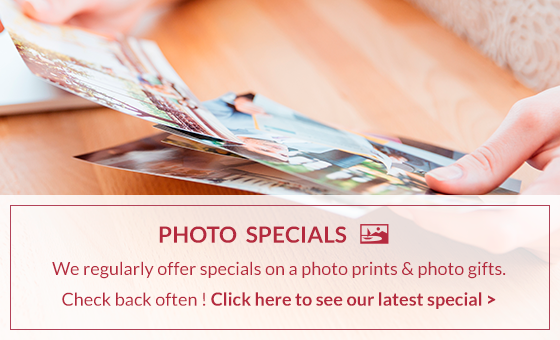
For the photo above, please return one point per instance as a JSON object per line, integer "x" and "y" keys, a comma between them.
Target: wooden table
{"x": 374, "y": 65}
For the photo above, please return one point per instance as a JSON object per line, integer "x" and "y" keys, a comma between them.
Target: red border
{"x": 278, "y": 329}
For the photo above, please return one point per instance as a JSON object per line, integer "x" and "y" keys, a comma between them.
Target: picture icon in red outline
{"x": 374, "y": 233}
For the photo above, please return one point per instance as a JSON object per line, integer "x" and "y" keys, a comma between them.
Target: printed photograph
{"x": 336, "y": 169}
{"x": 125, "y": 74}
{"x": 393, "y": 172}
{"x": 151, "y": 156}
{"x": 256, "y": 116}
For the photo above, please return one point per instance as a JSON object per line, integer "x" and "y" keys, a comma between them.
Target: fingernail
{"x": 33, "y": 7}
{"x": 447, "y": 173}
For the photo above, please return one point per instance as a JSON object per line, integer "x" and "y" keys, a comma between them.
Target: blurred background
{"x": 520, "y": 35}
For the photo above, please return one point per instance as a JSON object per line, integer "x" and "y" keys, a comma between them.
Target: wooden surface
{"x": 375, "y": 65}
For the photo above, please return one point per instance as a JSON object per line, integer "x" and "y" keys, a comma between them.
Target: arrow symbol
{"x": 491, "y": 299}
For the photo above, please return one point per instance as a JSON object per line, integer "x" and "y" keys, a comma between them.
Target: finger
{"x": 55, "y": 11}
{"x": 548, "y": 183}
{"x": 515, "y": 141}
{"x": 103, "y": 25}
{"x": 109, "y": 23}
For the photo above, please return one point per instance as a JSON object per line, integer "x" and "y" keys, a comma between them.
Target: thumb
{"x": 475, "y": 173}
{"x": 490, "y": 165}
{"x": 55, "y": 11}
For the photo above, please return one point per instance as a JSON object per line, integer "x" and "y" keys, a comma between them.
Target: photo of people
{"x": 125, "y": 74}
{"x": 324, "y": 165}
{"x": 151, "y": 156}
{"x": 254, "y": 115}
{"x": 335, "y": 169}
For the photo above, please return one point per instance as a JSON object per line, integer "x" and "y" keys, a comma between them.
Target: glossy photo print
{"x": 256, "y": 116}
{"x": 151, "y": 156}
{"x": 126, "y": 74}
{"x": 351, "y": 173}
{"x": 335, "y": 169}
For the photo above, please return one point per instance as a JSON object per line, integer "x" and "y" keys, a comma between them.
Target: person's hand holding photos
{"x": 530, "y": 132}
{"x": 107, "y": 16}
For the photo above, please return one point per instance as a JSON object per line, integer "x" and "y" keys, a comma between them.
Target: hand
{"x": 107, "y": 16}
{"x": 530, "y": 132}
{"x": 495, "y": 229}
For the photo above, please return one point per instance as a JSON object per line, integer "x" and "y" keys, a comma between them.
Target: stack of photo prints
{"x": 243, "y": 141}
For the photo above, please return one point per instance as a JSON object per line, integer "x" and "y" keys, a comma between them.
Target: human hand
{"x": 107, "y": 16}
{"x": 496, "y": 229}
{"x": 530, "y": 132}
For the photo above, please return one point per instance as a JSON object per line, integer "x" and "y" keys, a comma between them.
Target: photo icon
{"x": 374, "y": 233}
